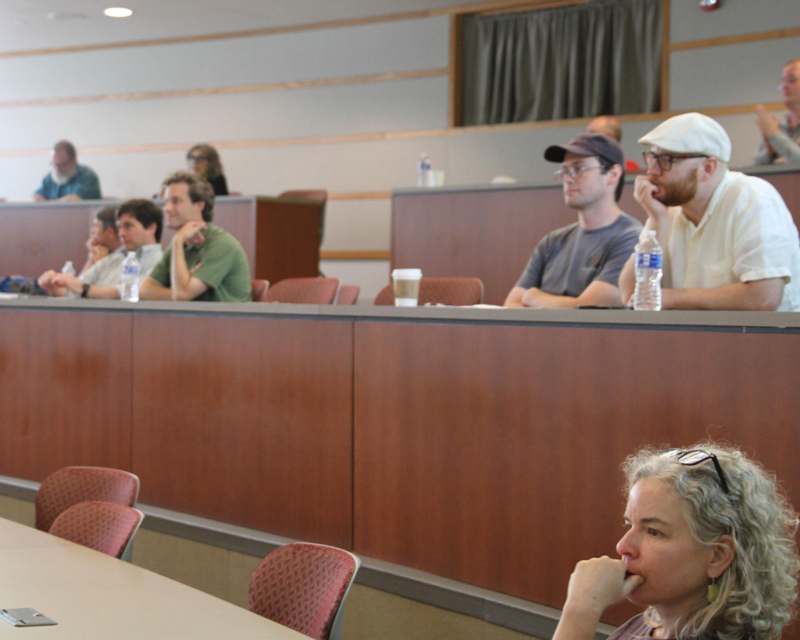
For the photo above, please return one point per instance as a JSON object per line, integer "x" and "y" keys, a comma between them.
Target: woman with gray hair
{"x": 709, "y": 550}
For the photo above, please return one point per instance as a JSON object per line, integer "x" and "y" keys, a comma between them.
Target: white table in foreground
{"x": 92, "y": 595}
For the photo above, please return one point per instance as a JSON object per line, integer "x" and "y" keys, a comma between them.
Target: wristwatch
{"x": 85, "y": 290}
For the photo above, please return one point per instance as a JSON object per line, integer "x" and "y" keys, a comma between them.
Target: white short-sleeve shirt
{"x": 746, "y": 234}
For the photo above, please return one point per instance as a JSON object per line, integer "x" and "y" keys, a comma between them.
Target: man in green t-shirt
{"x": 203, "y": 261}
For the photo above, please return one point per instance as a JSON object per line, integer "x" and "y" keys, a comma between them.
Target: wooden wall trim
{"x": 531, "y": 6}
{"x": 137, "y": 96}
{"x": 265, "y": 31}
{"x": 789, "y": 32}
{"x": 359, "y": 195}
{"x": 666, "y": 48}
{"x": 378, "y": 136}
{"x": 454, "y": 67}
{"x": 350, "y": 254}
{"x": 223, "y": 35}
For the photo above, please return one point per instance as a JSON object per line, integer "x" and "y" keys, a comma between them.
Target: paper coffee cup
{"x": 406, "y": 287}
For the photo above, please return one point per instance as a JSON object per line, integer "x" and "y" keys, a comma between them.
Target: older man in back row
{"x": 729, "y": 241}
{"x": 68, "y": 180}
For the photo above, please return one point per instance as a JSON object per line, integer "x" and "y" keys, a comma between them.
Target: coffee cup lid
{"x": 407, "y": 274}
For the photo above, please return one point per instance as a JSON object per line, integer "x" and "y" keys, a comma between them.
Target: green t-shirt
{"x": 220, "y": 262}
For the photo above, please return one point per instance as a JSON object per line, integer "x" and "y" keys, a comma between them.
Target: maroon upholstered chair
{"x": 102, "y": 526}
{"x": 259, "y": 290}
{"x": 450, "y": 291}
{"x": 303, "y": 586}
{"x": 71, "y": 485}
{"x": 304, "y": 291}
{"x": 348, "y": 294}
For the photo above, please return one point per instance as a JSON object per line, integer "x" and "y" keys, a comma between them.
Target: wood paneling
{"x": 288, "y": 236}
{"x": 279, "y": 237}
{"x": 34, "y": 238}
{"x": 247, "y": 421}
{"x": 490, "y": 233}
{"x": 377, "y": 254}
{"x": 138, "y": 96}
{"x": 789, "y": 32}
{"x": 65, "y": 397}
{"x": 491, "y": 454}
{"x": 223, "y": 35}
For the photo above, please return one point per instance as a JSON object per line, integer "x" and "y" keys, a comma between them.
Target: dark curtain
{"x": 599, "y": 58}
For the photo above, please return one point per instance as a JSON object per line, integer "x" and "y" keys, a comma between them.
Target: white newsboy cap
{"x": 691, "y": 133}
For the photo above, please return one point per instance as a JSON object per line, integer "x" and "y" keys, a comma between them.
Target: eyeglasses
{"x": 573, "y": 172}
{"x": 195, "y": 158}
{"x": 664, "y": 161}
{"x": 693, "y": 457}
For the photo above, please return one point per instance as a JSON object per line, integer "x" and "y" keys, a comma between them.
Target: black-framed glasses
{"x": 693, "y": 457}
{"x": 664, "y": 161}
{"x": 574, "y": 171}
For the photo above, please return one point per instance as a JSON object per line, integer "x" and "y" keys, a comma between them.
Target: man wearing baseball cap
{"x": 579, "y": 265}
{"x": 729, "y": 241}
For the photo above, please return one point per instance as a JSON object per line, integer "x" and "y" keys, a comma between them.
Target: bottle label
{"x": 648, "y": 260}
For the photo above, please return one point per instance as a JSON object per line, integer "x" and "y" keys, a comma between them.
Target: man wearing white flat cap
{"x": 729, "y": 241}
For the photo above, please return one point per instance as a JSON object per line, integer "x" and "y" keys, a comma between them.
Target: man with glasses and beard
{"x": 729, "y": 241}
{"x": 68, "y": 180}
{"x": 578, "y": 265}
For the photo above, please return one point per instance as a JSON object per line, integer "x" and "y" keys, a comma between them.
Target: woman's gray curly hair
{"x": 758, "y": 591}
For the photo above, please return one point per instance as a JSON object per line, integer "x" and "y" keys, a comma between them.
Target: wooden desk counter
{"x": 481, "y": 445}
{"x": 489, "y": 231}
{"x": 280, "y": 237}
{"x": 92, "y": 595}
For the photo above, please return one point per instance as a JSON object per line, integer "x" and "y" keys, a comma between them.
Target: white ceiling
{"x": 35, "y": 24}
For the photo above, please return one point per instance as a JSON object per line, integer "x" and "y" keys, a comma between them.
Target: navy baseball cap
{"x": 587, "y": 144}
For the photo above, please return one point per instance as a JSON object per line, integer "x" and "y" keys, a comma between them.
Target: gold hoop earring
{"x": 712, "y": 591}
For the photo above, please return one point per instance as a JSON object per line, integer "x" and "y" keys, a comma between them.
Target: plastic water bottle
{"x": 424, "y": 171}
{"x": 69, "y": 269}
{"x": 129, "y": 282}
{"x": 649, "y": 257}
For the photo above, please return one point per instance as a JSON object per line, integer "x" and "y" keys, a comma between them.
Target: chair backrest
{"x": 71, "y": 485}
{"x": 303, "y": 586}
{"x": 258, "y": 290}
{"x": 451, "y": 291}
{"x": 304, "y": 291}
{"x": 103, "y": 526}
{"x": 348, "y": 294}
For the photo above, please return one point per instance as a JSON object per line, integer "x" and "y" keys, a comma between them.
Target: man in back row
{"x": 729, "y": 241}
{"x": 68, "y": 180}
{"x": 579, "y": 265}
{"x": 204, "y": 262}
{"x": 781, "y": 140}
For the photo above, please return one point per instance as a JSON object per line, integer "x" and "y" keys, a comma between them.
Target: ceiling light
{"x": 118, "y": 12}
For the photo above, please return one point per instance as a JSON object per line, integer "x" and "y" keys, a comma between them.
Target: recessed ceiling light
{"x": 118, "y": 12}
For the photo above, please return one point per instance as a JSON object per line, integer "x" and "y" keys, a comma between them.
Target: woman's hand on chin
{"x": 597, "y": 583}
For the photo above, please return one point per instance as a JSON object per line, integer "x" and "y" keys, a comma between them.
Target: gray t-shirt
{"x": 569, "y": 259}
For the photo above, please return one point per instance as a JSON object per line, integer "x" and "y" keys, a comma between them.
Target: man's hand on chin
{"x": 644, "y": 191}
{"x": 190, "y": 234}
